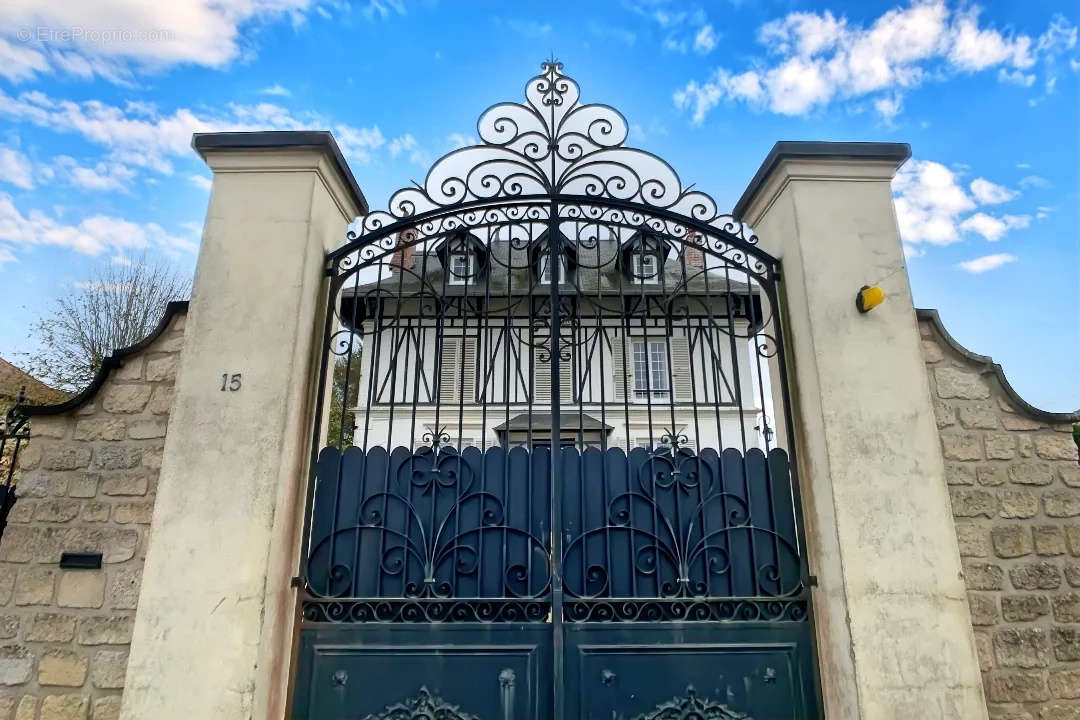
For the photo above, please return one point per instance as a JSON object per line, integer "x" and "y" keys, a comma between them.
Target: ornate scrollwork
{"x": 424, "y": 706}
{"x": 692, "y": 707}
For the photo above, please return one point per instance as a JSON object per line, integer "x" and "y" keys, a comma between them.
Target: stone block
{"x": 107, "y": 671}
{"x": 9, "y": 628}
{"x": 126, "y": 398}
{"x": 1023, "y": 443}
{"x": 1067, "y": 608}
{"x": 1031, "y": 473}
{"x": 45, "y": 426}
{"x": 1018, "y": 422}
{"x": 983, "y": 576}
{"x": 1024, "y": 608}
{"x": 151, "y": 459}
{"x": 1064, "y": 684}
{"x": 57, "y": 510}
{"x": 959, "y": 474}
{"x": 96, "y": 512}
{"x": 29, "y": 457}
{"x": 162, "y": 368}
{"x": 124, "y": 588}
{"x": 931, "y": 351}
{"x": 1025, "y": 648}
{"x": 1062, "y": 503}
{"x": 146, "y": 429}
{"x": 161, "y": 400}
{"x": 130, "y": 483}
{"x": 130, "y": 369}
{"x": 81, "y": 589}
{"x": 1066, "y": 643}
{"x": 1049, "y": 540}
{"x": 107, "y": 708}
{"x": 27, "y": 708}
{"x": 1072, "y": 539}
{"x": 43, "y": 483}
{"x": 1000, "y": 446}
{"x": 100, "y": 428}
{"x": 974, "y": 540}
{"x": 116, "y": 457}
{"x": 133, "y": 512}
{"x": 1035, "y": 576}
{"x": 1018, "y": 687}
{"x": 1072, "y": 574}
{"x": 35, "y": 586}
{"x": 1055, "y": 446}
{"x": 65, "y": 456}
{"x": 985, "y": 649}
{"x": 945, "y": 413}
{"x": 109, "y": 630}
{"x": 1011, "y": 541}
{"x": 972, "y": 503}
{"x": 115, "y": 544}
{"x": 991, "y": 475}
{"x": 23, "y": 510}
{"x": 961, "y": 446}
{"x": 956, "y": 383}
{"x": 65, "y": 707}
{"x": 979, "y": 416}
{"x": 983, "y": 608}
{"x": 7, "y": 582}
{"x": 1018, "y": 503}
{"x": 51, "y": 627}
{"x": 1060, "y": 711}
{"x": 16, "y": 664}
{"x": 84, "y": 485}
{"x": 1070, "y": 475}
{"x": 58, "y": 666}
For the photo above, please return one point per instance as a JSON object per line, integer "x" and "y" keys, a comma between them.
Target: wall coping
{"x": 896, "y": 153}
{"x": 114, "y": 360}
{"x": 321, "y": 140}
{"x": 932, "y": 316}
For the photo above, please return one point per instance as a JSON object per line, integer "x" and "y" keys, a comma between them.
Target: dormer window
{"x": 645, "y": 268}
{"x": 545, "y": 270}
{"x": 462, "y": 268}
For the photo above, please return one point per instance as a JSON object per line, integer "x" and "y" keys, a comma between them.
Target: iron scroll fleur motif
{"x": 692, "y": 707}
{"x": 424, "y": 706}
{"x": 551, "y": 145}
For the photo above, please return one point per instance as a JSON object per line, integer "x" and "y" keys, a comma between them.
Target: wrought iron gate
{"x": 552, "y": 473}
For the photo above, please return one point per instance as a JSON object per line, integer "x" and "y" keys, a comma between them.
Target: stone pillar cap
{"x": 319, "y": 140}
{"x": 897, "y": 153}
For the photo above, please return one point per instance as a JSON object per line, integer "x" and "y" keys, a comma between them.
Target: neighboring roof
{"x": 931, "y": 316}
{"x": 542, "y": 421}
{"x": 114, "y": 360}
{"x": 286, "y": 140}
{"x": 14, "y": 380}
{"x": 790, "y": 149}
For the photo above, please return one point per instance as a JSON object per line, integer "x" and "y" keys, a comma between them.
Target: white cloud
{"x": 889, "y": 106}
{"x": 15, "y": 168}
{"x": 988, "y": 193}
{"x": 458, "y": 140}
{"x": 1033, "y": 181}
{"x": 994, "y": 228}
{"x": 1016, "y": 77}
{"x": 115, "y": 39}
{"x": 705, "y": 40}
{"x": 528, "y": 28}
{"x": 382, "y": 9}
{"x": 200, "y": 181}
{"x": 6, "y": 256}
{"x": 819, "y": 58}
{"x": 91, "y": 236}
{"x": 407, "y": 143}
{"x": 102, "y": 176}
{"x": 275, "y": 89}
{"x": 986, "y": 262}
{"x": 929, "y": 202}
{"x": 142, "y": 136}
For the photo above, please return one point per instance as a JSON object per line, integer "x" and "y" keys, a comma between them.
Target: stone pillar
{"x": 893, "y": 626}
{"x": 214, "y": 629}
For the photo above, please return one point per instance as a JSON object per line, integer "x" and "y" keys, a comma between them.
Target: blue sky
{"x": 98, "y": 101}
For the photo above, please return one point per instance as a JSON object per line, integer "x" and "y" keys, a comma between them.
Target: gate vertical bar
{"x": 555, "y": 260}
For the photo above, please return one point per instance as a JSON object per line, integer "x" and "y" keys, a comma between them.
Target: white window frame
{"x": 470, "y": 260}
{"x": 545, "y": 269}
{"x": 651, "y": 390}
{"x": 642, "y": 275}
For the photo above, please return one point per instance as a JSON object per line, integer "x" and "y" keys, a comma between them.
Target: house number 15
{"x": 230, "y": 383}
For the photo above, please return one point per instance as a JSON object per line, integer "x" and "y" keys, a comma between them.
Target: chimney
{"x": 695, "y": 256}
{"x": 403, "y": 256}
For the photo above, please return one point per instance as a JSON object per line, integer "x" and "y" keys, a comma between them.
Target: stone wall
{"x": 87, "y": 482}
{"x": 1015, "y": 488}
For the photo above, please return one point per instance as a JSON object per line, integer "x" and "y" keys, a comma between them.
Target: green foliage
{"x": 341, "y": 424}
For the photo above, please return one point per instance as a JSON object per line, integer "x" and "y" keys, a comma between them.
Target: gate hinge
{"x": 296, "y": 582}
{"x": 811, "y": 580}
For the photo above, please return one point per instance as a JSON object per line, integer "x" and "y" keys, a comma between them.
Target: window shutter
{"x": 680, "y": 368}
{"x": 622, "y": 369}
{"x": 448, "y": 370}
{"x": 468, "y": 371}
{"x": 541, "y": 377}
